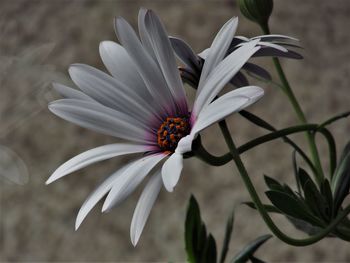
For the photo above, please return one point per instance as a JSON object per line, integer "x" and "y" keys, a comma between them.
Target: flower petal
{"x": 70, "y": 93}
{"x": 166, "y": 58}
{"x": 97, "y": 195}
{"x": 144, "y": 206}
{"x": 171, "y": 171}
{"x": 272, "y": 45}
{"x": 96, "y": 155}
{"x": 146, "y": 66}
{"x": 204, "y": 53}
{"x": 239, "y": 80}
{"x": 272, "y": 37}
{"x": 218, "y": 49}
{"x": 257, "y": 70}
{"x": 225, "y": 105}
{"x": 112, "y": 93}
{"x": 222, "y": 74}
{"x": 130, "y": 179}
{"x": 184, "y": 52}
{"x": 120, "y": 65}
{"x": 105, "y": 120}
{"x": 145, "y": 39}
{"x": 271, "y": 52}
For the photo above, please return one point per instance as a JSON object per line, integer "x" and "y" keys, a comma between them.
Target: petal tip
{"x": 77, "y": 224}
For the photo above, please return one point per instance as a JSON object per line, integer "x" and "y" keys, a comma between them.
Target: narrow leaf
{"x": 273, "y": 184}
{"x": 295, "y": 168}
{"x": 342, "y": 178}
{"x": 192, "y": 226}
{"x": 250, "y": 249}
{"x": 228, "y": 233}
{"x": 210, "y": 251}
{"x": 268, "y": 208}
{"x": 290, "y": 205}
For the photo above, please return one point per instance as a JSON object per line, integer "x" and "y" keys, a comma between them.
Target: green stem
{"x": 204, "y": 155}
{"x": 263, "y": 124}
{"x": 289, "y": 92}
{"x": 332, "y": 149}
{"x": 259, "y": 205}
{"x": 335, "y": 118}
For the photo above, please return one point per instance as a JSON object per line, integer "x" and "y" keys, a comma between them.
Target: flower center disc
{"x": 171, "y": 131}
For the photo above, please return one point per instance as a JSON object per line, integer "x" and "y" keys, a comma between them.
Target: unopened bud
{"x": 257, "y": 11}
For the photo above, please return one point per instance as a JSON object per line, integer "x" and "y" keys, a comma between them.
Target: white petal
{"x": 274, "y": 37}
{"x": 275, "y": 46}
{"x": 222, "y": 74}
{"x": 105, "y": 120}
{"x": 96, "y": 155}
{"x": 166, "y": 58}
{"x": 144, "y": 206}
{"x": 146, "y": 66}
{"x": 70, "y": 93}
{"x": 130, "y": 179}
{"x": 111, "y": 93}
{"x": 120, "y": 65}
{"x": 184, "y": 52}
{"x": 204, "y": 53}
{"x": 243, "y": 38}
{"x": 145, "y": 39}
{"x": 227, "y": 104}
{"x": 171, "y": 171}
{"x": 97, "y": 195}
{"x": 268, "y": 44}
{"x": 257, "y": 70}
{"x": 218, "y": 49}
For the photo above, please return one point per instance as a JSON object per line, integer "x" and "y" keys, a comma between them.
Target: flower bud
{"x": 257, "y": 11}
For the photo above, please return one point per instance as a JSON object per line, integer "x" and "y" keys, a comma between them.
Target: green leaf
{"x": 256, "y": 260}
{"x": 313, "y": 198}
{"x": 316, "y": 202}
{"x": 291, "y": 206}
{"x": 199, "y": 246}
{"x": 273, "y": 184}
{"x": 342, "y": 178}
{"x": 304, "y": 226}
{"x": 326, "y": 192}
{"x": 268, "y": 208}
{"x": 295, "y": 169}
{"x": 341, "y": 167}
{"x": 192, "y": 229}
{"x": 210, "y": 250}
{"x": 247, "y": 253}
{"x": 303, "y": 177}
{"x": 228, "y": 233}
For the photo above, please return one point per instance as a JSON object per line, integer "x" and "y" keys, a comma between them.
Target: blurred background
{"x": 40, "y": 39}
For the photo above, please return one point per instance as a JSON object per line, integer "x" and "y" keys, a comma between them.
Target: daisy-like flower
{"x": 144, "y": 103}
{"x": 270, "y": 46}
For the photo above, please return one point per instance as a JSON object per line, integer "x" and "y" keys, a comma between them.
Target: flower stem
{"x": 259, "y": 205}
{"x": 204, "y": 155}
{"x": 299, "y": 112}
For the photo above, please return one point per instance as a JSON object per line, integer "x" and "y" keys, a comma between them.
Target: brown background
{"x": 37, "y": 221}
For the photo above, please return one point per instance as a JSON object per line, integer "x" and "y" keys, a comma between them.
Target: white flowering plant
{"x": 143, "y": 102}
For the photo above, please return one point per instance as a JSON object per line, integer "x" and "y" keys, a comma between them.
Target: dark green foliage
{"x": 200, "y": 247}
{"x": 257, "y": 11}
{"x": 247, "y": 253}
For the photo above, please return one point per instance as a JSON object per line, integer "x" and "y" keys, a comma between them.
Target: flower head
{"x": 144, "y": 103}
{"x": 270, "y": 46}
{"x": 258, "y": 11}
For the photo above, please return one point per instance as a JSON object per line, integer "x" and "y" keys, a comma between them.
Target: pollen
{"x": 171, "y": 131}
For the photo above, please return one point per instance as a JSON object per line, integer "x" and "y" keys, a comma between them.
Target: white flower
{"x": 145, "y": 103}
{"x": 270, "y": 46}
